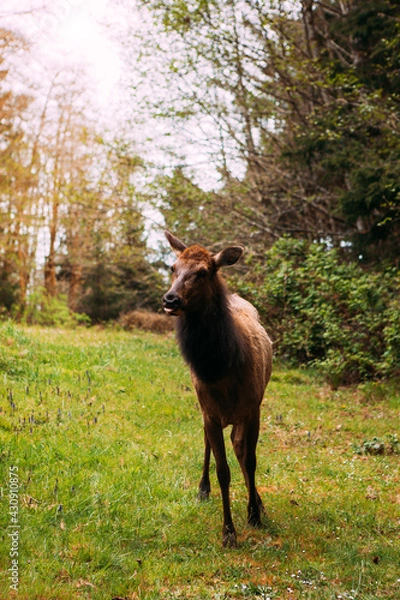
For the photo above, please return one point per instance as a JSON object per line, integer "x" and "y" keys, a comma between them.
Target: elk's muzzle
{"x": 172, "y": 303}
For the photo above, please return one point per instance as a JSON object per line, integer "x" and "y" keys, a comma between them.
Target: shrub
{"x": 323, "y": 310}
{"x": 146, "y": 320}
{"x": 42, "y": 309}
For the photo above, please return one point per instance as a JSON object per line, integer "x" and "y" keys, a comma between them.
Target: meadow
{"x": 101, "y": 432}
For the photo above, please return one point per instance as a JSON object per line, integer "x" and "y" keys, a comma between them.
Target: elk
{"x": 230, "y": 358}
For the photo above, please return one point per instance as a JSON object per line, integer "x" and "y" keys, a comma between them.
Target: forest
{"x": 283, "y": 127}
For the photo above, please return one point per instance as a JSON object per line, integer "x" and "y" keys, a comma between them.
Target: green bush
{"x": 42, "y": 309}
{"x": 321, "y": 309}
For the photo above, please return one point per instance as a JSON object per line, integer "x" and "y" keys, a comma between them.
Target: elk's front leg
{"x": 204, "y": 486}
{"x": 216, "y": 440}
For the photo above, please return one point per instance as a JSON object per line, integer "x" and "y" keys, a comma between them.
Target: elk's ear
{"x": 177, "y": 246}
{"x": 229, "y": 256}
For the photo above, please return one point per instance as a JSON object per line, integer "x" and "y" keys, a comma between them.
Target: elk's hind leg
{"x": 244, "y": 439}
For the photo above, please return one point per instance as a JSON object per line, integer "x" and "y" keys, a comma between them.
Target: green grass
{"x": 107, "y": 436}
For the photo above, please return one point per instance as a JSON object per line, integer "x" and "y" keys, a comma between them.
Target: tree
{"x": 117, "y": 276}
{"x": 303, "y": 95}
{"x": 350, "y": 143}
{"x": 70, "y": 209}
{"x": 18, "y": 183}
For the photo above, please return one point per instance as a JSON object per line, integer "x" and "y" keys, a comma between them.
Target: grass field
{"x": 104, "y": 430}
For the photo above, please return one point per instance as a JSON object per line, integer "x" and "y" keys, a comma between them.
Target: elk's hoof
{"x": 254, "y": 519}
{"x": 203, "y": 495}
{"x": 229, "y": 539}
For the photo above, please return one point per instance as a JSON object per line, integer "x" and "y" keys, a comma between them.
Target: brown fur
{"x": 230, "y": 358}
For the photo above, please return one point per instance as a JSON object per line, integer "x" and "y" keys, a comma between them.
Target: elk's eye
{"x": 172, "y": 268}
{"x": 202, "y": 273}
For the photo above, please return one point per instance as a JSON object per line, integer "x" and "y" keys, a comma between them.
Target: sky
{"x": 88, "y": 35}
{"x": 67, "y": 35}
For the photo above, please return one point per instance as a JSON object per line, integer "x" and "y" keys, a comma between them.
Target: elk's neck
{"x": 209, "y": 341}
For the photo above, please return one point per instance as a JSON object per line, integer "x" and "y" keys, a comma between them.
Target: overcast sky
{"x": 67, "y": 35}
{"x": 88, "y": 36}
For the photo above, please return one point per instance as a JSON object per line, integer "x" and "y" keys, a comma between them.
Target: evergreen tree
{"x": 305, "y": 95}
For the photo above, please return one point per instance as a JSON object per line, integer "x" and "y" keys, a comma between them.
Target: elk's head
{"x": 195, "y": 275}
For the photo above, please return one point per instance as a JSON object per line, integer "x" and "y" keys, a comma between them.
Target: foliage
{"x": 101, "y": 262}
{"x": 350, "y": 141}
{"x": 17, "y": 179}
{"x": 8, "y": 289}
{"x": 70, "y": 211}
{"x": 377, "y": 446}
{"x": 117, "y": 276}
{"x": 106, "y": 433}
{"x": 111, "y": 289}
{"x": 50, "y": 311}
{"x": 209, "y": 217}
{"x": 321, "y": 309}
{"x": 303, "y": 97}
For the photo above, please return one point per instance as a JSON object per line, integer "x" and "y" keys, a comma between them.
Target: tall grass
{"x": 107, "y": 437}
